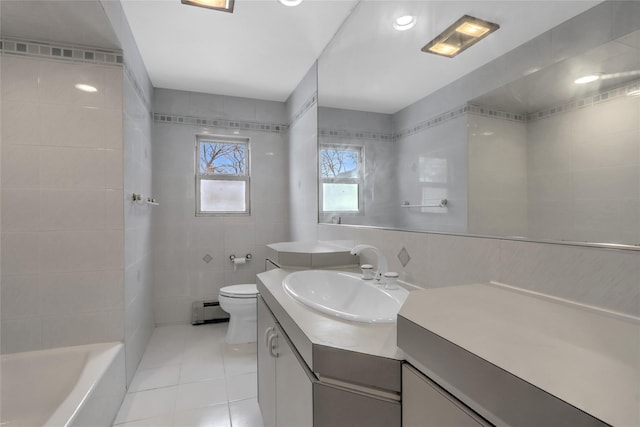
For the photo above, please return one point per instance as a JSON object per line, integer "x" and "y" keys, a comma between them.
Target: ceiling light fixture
{"x": 587, "y": 79}
{"x": 290, "y": 3}
{"x": 86, "y": 88}
{"x": 404, "y": 23}
{"x": 459, "y": 36}
{"x": 634, "y": 93}
{"x": 221, "y": 5}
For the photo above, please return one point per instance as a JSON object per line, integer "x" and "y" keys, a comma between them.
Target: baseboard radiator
{"x": 207, "y": 312}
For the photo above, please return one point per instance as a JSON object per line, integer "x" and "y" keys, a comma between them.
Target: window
{"x": 341, "y": 179}
{"x": 222, "y": 175}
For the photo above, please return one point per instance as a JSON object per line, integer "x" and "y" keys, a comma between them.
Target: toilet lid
{"x": 239, "y": 291}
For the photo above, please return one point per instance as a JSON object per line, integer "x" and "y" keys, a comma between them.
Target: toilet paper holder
{"x": 248, "y": 257}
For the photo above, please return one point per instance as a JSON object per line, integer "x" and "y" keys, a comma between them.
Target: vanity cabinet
{"x": 425, "y": 404}
{"x": 285, "y": 387}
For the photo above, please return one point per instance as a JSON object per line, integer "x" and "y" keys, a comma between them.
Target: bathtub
{"x": 68, "y": 386}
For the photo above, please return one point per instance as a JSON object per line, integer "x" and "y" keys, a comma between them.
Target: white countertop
{"x": 320, "y": 329}
{"x": 586, "y": 357}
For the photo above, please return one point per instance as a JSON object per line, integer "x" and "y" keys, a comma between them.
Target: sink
{"x": 345, "y": 295}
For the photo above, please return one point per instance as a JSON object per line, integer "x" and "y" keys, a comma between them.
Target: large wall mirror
{"x": 498, "y": 141}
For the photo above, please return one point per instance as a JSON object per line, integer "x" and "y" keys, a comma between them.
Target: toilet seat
{"x": 239, "y": 291}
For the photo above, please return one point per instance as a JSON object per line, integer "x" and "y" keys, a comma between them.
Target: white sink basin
{"x": 345, "y": 295}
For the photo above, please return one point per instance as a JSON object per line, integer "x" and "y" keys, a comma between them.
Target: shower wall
{"x": 62, "y": 193}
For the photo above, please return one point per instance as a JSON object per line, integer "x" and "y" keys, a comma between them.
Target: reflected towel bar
{"x": 443, "y": 203}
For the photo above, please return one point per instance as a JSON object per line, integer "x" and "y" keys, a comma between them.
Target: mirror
{"x": 514, "y": 148}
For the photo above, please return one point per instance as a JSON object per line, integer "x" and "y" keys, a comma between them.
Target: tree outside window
{"x": 341, "y": 179}
{"x": 222, "y": 182}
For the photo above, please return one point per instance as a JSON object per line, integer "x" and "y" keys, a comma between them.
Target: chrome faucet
{"x": 382, "y": 261}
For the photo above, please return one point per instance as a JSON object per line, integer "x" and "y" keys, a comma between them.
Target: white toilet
{"x": 240, "y": 301}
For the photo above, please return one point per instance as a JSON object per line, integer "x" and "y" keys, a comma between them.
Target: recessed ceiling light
{"x": 404, "y": 23}
{"x": 459, "y": 36}
{"x": 587, "y": 79}
{"x": 86, "y": 88}
{"x": 444, "y": 49}
{"x": 290, "y": 3}
{"x": 634, "y": 93}
{"x": 221, "y": 5}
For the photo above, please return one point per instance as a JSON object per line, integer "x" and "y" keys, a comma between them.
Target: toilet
{"x": 240, "y": 301}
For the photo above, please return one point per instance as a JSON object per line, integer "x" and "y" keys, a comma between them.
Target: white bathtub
{"x": 68, "y": 386}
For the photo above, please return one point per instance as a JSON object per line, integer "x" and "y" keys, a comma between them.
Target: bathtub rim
{"x": 100, "y": 357}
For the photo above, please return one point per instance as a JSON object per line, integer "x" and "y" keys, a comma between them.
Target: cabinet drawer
{"x": 425, "y": 404}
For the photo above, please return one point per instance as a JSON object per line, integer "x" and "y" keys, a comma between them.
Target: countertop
{"x": 371, "y": 339}
{"x": 586, "y": 357}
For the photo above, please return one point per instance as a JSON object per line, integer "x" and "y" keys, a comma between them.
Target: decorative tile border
{"x": 61, "y": 52}
{"x": 303, "y": 110}
{"x": 137, "y": 87}
{"x": 220, "y": 123}
{"x": 354, "y": 134}
{"x": 434, "y": 121}
{"x": 588, "y": 101}
{"x": 481, "y": 110}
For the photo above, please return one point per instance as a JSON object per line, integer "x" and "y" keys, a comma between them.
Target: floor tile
{"x": 163, "y": 354}
{"x": 147, "y": 379}
{"x": 205, "y": 370}
{"x": 211, "y": 416}
{"x": 245, "y": 413}
{"x": 147, "y": 404}
{"x": 240, "y": 387}
{"x": 240, "y": 359}
{"x": 162, "y": 421}
{"x": 201, "y": 394}
{"x": 190, "y": 377}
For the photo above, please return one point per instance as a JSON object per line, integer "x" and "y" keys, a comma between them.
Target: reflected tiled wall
{"x": 584, "y": 173}
{"x": 62, "y": 192}
{"x": 606, "y": 278}
{"x": 373, "y": 132}
{"x": 497, "y": 176}
{"x": 302, "y": 158}
{"x": 182, "y": 272}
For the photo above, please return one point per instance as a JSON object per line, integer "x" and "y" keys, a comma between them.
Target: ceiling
{"x": 263, "y": 49}
{"x": 618, "y": 61}
{"x": 370, "y": 66}
{"x": 73, "y": 22}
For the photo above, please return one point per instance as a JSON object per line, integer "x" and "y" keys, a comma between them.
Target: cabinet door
{"x": 425, "y": 404}
{"x": 294, "y": 388}
{"x": 266, "y": 365}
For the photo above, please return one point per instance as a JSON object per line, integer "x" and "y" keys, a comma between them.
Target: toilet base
{"x": 241, "y": 331}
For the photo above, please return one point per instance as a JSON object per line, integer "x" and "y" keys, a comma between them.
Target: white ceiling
{"x": 262, "y": 50}
{"x": 75, "y": 22}
{"x": 370, "y": 66}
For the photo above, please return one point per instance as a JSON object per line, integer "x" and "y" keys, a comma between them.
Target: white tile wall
{"x": 303, "y": 160}
{"x": 606, "y": 278}
{"x": 180, "y": 239}
{"x": 447, "y": 142}
{"x": 584, "y": 174}
{"x": 136, "y": 176}
{"x": 497, "y": 176}
{"x": 62, "y": 239}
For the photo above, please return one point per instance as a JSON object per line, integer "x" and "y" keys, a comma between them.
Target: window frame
{"x": 357, "y": 180}
{"x": 199, "y": 177}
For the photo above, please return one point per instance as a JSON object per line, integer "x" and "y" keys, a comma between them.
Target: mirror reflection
{"x": 553, "y": 155}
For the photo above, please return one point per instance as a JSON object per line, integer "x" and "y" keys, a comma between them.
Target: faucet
{"x": 382, "y": 261}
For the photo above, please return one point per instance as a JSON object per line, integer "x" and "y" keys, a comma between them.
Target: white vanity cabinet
{"x": 425, "y": 404}
{"x": 285, "y": 389}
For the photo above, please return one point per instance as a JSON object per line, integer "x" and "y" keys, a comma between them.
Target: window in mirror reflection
{"x": 341, "y": 179}
{"x": 433, "y": 169}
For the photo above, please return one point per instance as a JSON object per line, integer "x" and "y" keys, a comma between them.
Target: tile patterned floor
{"x": 190, "y": 377}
